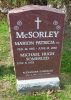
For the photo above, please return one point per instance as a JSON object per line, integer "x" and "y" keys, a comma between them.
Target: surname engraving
{"x": 37, "y": 34}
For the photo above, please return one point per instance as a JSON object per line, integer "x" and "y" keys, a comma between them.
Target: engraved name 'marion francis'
{"x": 36, "y": 34}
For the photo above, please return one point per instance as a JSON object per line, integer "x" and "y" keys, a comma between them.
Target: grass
{"x": 66, "y": 57}
{"x": 7, "y": 75}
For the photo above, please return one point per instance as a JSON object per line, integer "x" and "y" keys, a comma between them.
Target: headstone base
{"x": 37, "y": 84}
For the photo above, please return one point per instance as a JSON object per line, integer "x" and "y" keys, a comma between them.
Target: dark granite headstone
{"x": 37, "y": 35}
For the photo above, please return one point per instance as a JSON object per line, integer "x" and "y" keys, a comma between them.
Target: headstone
{"x": 37, "y": 36}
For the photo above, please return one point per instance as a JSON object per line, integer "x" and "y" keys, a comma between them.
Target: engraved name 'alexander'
{"x": 36, "y": 34}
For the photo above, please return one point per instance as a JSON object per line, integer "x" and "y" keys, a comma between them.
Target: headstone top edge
{"x": 35, "y": 7}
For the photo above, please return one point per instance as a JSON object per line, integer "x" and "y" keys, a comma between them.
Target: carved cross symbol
{"x": 38, "y": 21}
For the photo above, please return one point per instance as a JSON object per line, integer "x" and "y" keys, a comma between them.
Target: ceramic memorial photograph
{"x": 37, "y": 36}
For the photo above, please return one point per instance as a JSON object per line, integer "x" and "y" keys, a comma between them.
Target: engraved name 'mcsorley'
{"x": 36, "y": 34}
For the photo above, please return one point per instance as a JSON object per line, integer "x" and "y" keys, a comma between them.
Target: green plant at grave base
{"x": 7, "y": 75}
